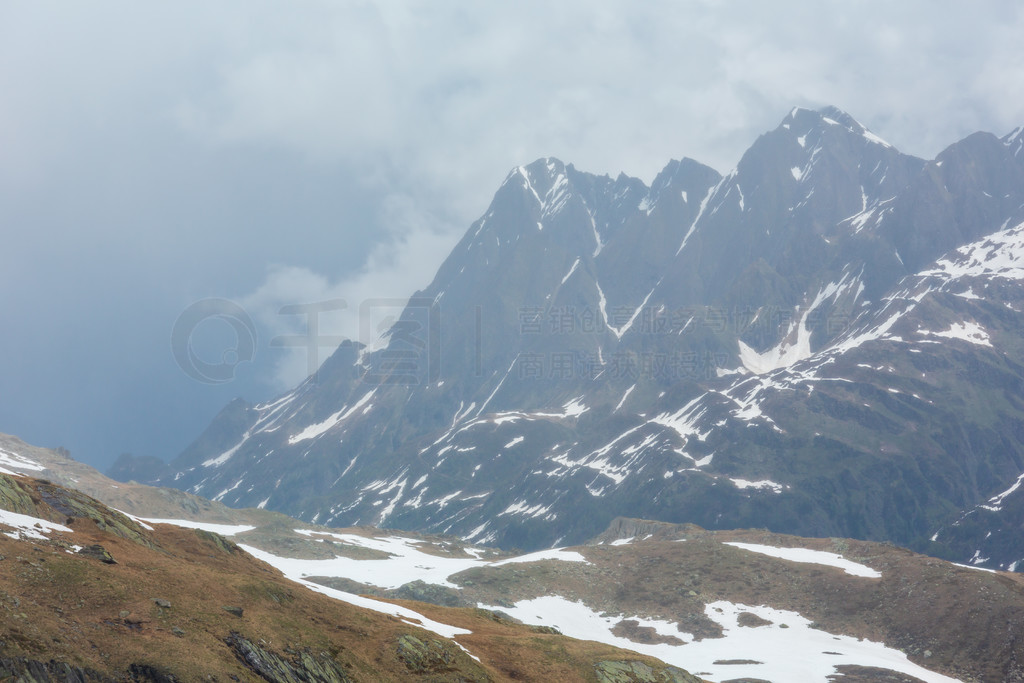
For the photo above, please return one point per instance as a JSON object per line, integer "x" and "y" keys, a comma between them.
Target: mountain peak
{"x": 544, "y": 181}
{"x": 832, "y": 113}
{"x": 542, "y": 172}
{"x": 801, "y": 120}
{"x": 683, "y": 176}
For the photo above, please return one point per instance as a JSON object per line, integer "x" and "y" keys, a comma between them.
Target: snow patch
{"x": 18, "y": 462}
{"x": 526, "y": 510}
{"x": 226, "y": 455}
{"x": 965, "y": 331}
{"x": 572, "y": 270}
{"x": 812, "y": 557}
{"x": 624, "y": 397}
{"x": 700, "y": 212}
{"x": 796, "y": 345}
{"x": 222, "y": 529}
{"x": 403, "y": 613}
{"x": 541, "y": 555}
{"x": 575, "y": 407}
{"x": 995, "y": 502}
{"x": 999, "y": 255}
{"x": 787, "y": 649}
{"x": 763, "y": 484}
{"x": 315, "y": 430}
{"x": 25, "y": 526}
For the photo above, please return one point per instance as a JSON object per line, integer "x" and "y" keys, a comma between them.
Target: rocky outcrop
{"x": 144, "y": 469}
{"x": 22, "y": 670}
{"x": 426, "y": 592}
{"x": 438, "y": 659}
{"x": 32, "y": 671}
{"x": 217, "y": 541}
{"x": 98, "y": 552}
{"x": 305, "y": 667}
{"x": 638, "y": 672}
{"x": 44, "y": 500}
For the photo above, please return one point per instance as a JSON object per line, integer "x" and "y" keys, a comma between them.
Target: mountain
{"x": 823, "y": 342}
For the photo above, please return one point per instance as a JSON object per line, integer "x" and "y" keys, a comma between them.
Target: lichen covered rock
{"x": 305, "y": 667}
{"x": 438, "y": 660}
{"x": 639, "y": 672}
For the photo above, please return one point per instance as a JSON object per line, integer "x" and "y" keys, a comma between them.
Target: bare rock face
{"x": 303, "y": 666}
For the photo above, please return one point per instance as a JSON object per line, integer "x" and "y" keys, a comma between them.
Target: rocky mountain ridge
{"x": 825, "y": 341}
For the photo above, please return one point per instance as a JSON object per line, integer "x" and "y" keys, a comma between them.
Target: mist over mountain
{"x": 826, "y": 341}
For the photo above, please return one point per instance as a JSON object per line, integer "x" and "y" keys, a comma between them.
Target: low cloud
{"x": 394, "y": 270}
{"x": 450, "y": 95}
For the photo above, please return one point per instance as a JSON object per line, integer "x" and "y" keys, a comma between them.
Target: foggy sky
{"x": 153, "y": 156}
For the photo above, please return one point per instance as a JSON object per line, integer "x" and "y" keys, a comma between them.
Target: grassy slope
{"x": 77, "y": 609}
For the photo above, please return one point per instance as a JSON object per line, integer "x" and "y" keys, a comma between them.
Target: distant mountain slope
{"x": 825, "y": 341}
{"x": 20, "y": 458}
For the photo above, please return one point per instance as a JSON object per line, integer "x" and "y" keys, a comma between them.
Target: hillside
{"x": 724, "y": 605}
{"x": 90, "y": 595}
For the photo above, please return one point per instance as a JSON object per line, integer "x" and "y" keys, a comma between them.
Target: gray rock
{"x": 97, "y": 552}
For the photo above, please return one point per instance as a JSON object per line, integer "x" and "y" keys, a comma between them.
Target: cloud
{"x": 347, "y": 305}
{"x": 444, "y": 90}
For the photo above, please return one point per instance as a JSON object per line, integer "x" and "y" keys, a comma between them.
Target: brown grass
{"x": 66, "y": 607}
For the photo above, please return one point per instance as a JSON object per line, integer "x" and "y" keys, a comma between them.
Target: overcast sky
{"x": 153, "y": 155}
